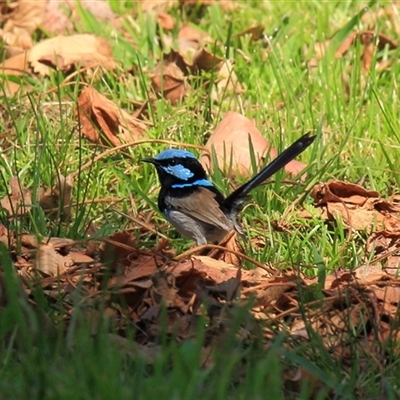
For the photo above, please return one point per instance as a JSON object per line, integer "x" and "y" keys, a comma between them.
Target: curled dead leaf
{"x": 358, "y": 208}
{"x": 232, "y": 141}
{"x": 102, "y": 121}
{"x": 255, "y": 32}
{"x": 190, "y": 38}
{"x": 205, "y": 61}
{"x": 169, "y": 77}
{"x": 339, "y": 191}
{"x": 65, "y": 52}
{"x": 62, "y": 52}
{"x": 50, "y": 262}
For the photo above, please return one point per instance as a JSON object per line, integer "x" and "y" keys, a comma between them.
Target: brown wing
{"x": 203, "y": 206}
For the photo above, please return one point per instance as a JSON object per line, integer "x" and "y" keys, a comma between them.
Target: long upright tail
{"x": 237, "y": 197}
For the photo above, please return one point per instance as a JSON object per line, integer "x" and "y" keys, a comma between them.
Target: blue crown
{"x": 174, "y": 153}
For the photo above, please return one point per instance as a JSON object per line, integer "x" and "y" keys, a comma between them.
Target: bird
{"x": 194, "y": 206}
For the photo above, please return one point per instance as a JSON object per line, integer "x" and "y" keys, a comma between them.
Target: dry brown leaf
{"x": 66, "y": 52}
{"x": 190, "y": 38}
{"x": 337, "y": 279}
{"x": 208, "y": 288}
{"x": 256, "y": 32}
{"x": 359, "y": 208}
{"x": 272, "y": 289}
{"x": 117, "y": 248}
{"x": 389, "y": 294}
{"x": 231, "y": 244}
{"x": 211, "y": 269}
{"x": 14, "y": 66}
{"x": 370, "y": 41}
{"x": 58, "y": 198}
{"x": 30, "y": 241}
{"x": 23, "y": 21}
{"x": 231, "y": 143}
{"x": 102, "y": 121}
{"x": 367, "y": 38}
{"x": 231, "y": 140}
{"x": 50, "y": 262}
{"x": 354, "y": 217}
{"x": 186, "y": 48}
{"x": 164, "y": 289}
{"x": 135, "y": 269}
{"x": 385, "y": 245}
{"x": 229, "y": 289}
{"x": 203, "y": 60}
{"x": 206, "y": 267}
{"x": 192, "y": 33}
{"x": 169, "y": 77}
{"x": 339, "y": 191}
{"x": 367, "y": 274}
{"x": 166, "y": 21}
{"x": 19, "y": 201}
{"x": 80, "y": 258}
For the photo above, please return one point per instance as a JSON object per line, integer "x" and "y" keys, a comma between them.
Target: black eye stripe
{"x": 175, "y": 161}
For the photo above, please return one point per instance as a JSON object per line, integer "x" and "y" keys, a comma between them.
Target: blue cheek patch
{"x": 179, "y": 171}
{"x": 199, "y": 182}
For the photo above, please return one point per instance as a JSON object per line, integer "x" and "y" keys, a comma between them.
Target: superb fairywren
{"x": 194, "y": 206}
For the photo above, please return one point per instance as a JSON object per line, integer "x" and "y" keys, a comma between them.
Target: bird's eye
{"x": 173, "y": 162}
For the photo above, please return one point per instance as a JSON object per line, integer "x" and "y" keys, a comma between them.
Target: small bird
{"x": 194, "y": 206}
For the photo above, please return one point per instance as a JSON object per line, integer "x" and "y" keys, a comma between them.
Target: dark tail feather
{"x": 284, "y": 158}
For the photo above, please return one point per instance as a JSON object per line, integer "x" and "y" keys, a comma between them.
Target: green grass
{"x": 358, "y": 137}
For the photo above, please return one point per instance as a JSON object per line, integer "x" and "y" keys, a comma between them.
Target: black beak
{"x": 149, "y": 160}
